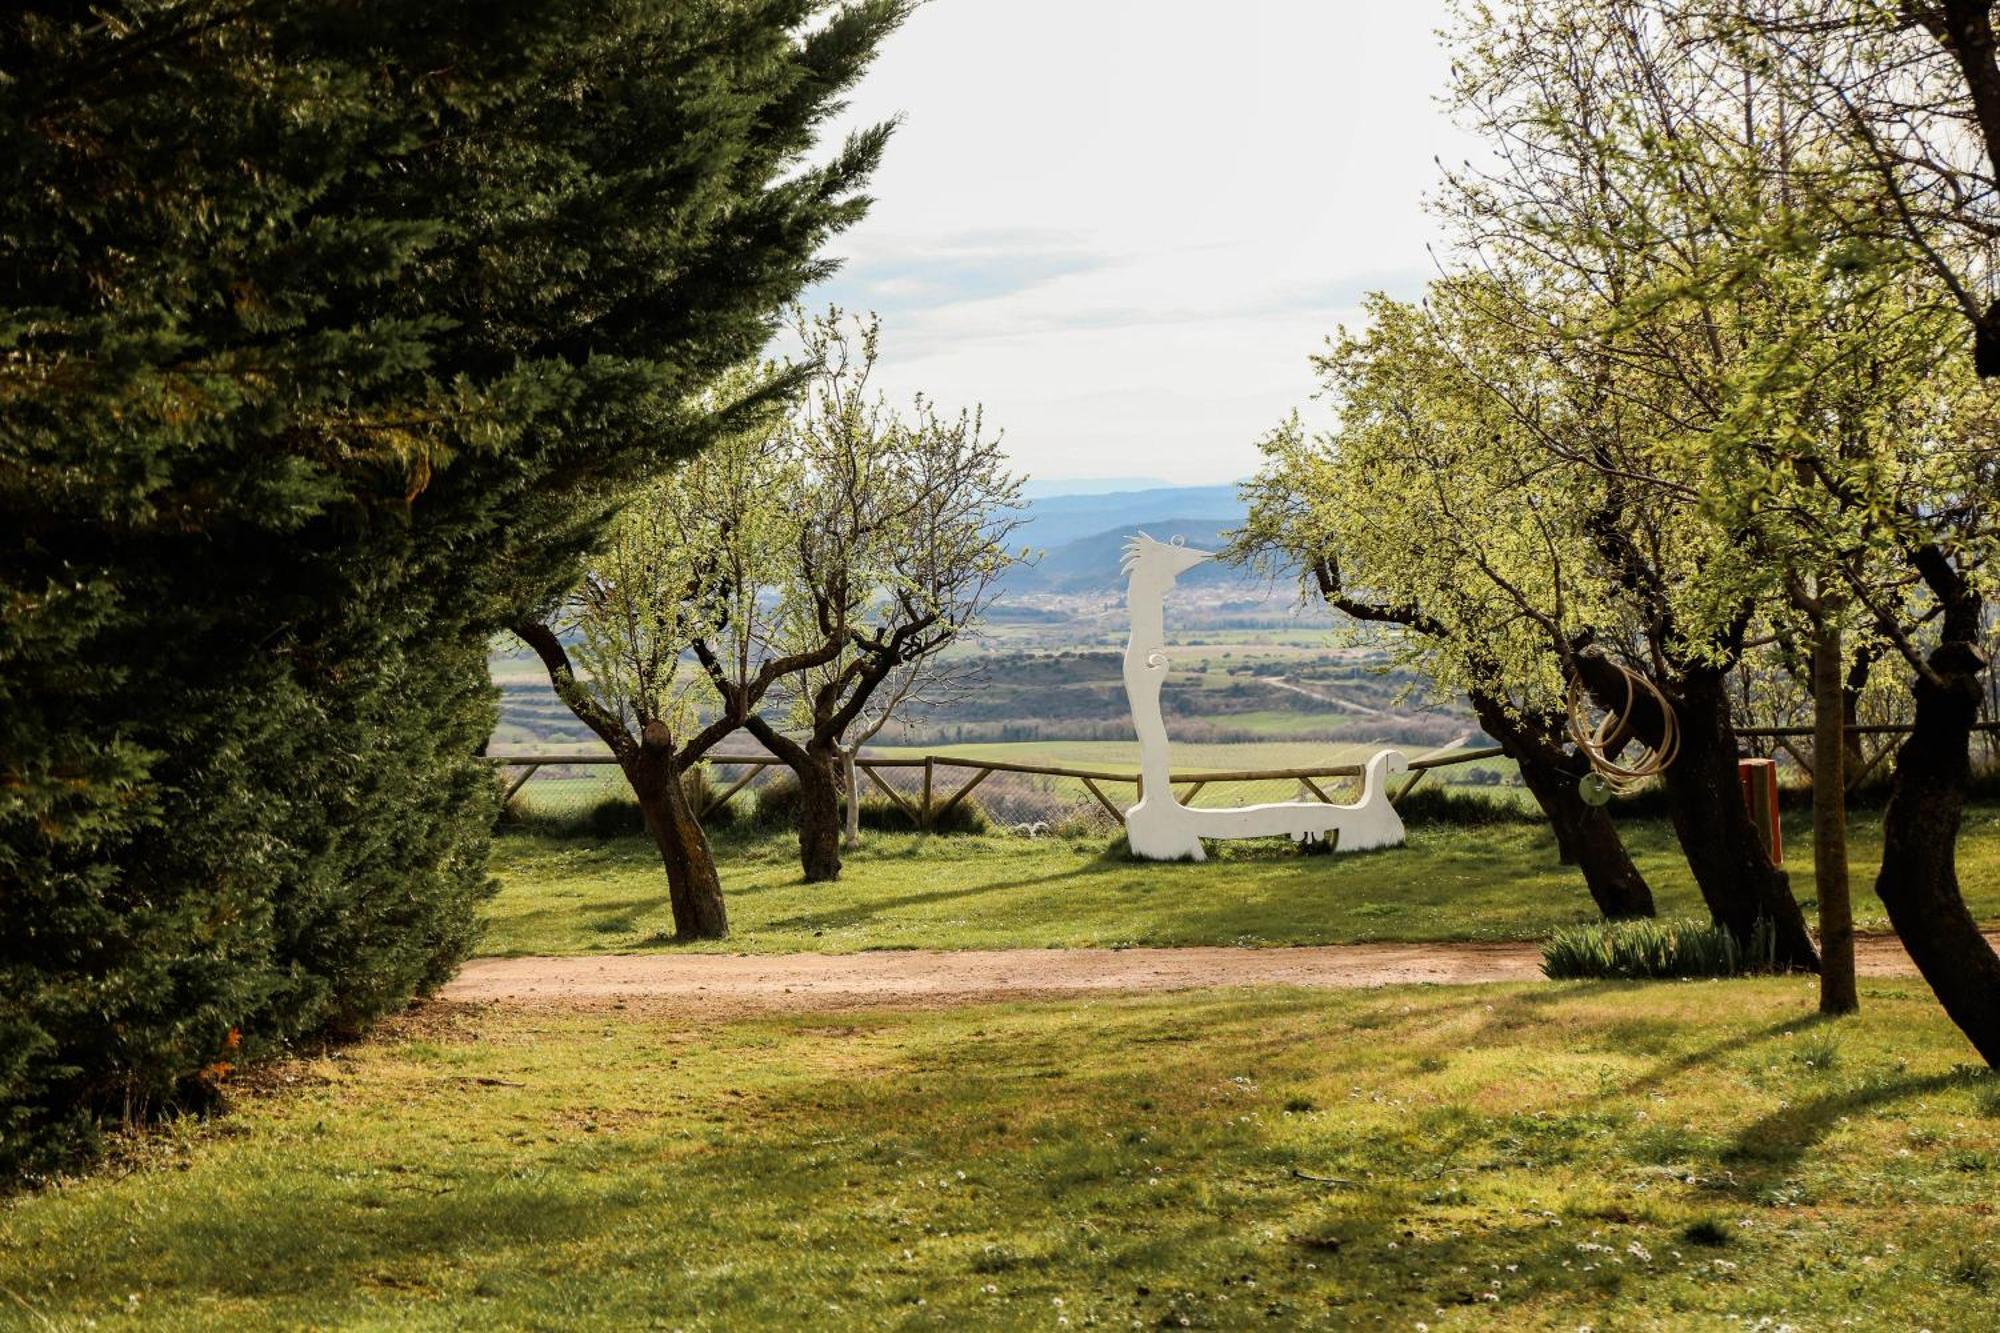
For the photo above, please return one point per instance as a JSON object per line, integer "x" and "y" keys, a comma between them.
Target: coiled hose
{"x": 1614, "y": 729}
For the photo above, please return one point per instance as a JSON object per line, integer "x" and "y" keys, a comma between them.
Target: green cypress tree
{"x": 329, "y": 333}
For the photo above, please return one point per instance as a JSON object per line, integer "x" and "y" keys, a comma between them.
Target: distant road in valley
{"x": 1347, "y": 705}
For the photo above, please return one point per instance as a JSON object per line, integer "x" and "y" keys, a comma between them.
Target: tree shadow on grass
{"x": 855, "y": 914}
{"x": 1669, "y": 1069}
{"x": 1765, "y": 1153}
{"x": 609, "y": 917}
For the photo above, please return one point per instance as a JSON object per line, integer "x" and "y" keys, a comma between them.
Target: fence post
{"x": 527, "y": 771}
{"x": 930, "y": 767}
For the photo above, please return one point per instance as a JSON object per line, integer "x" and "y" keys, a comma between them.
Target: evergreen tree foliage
{"x": 329, "y": 333}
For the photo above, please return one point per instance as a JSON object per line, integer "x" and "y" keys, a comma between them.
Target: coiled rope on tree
{"x": 1614, "y": 729}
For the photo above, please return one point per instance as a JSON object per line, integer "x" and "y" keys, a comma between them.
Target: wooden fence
{"x": 928, "y": 788}
{"x": 946, "y": 780}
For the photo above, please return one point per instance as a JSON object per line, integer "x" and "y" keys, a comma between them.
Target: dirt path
{"x": 926, "y": 977}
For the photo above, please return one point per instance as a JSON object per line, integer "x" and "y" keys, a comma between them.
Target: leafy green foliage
{"x": 329, "y": 332}
{"x": 1643, "y": 950}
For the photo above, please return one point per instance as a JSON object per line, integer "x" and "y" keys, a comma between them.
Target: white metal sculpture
{"x": 1159, "y": 827}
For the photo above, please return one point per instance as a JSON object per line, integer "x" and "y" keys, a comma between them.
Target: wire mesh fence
{"x": 937, "y": 792}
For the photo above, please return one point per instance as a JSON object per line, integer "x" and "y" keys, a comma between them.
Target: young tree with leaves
{"x": 686, "y": 570}
{"x": 903, "y": 522}
{"x": 1591, "y": 210}
{"x": 1910, "y": 93}
{"x": 1416, "y": 512}
{"x": 1805, "y": 181}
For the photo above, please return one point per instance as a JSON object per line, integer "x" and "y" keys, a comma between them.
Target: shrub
{"x": 334, "y": 405}
{"x": 1709, "y": 1232}
{"x": 1637, "y": 950}
{"x": 700, "y": 790}
{"x": 778, "y": 803}
{"x": 1453, "y": 805}
{"x": 967, "y": 817}
{"x": 1078, "y": 823}
{"x": 612, "y": 816}
{"x": 778, "y": 808}
{"x": 616, "y": 815}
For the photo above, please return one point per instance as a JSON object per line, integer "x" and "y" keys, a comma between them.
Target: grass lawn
{"x": 1617, "y": 1156}
{"x": 908, "y": 891}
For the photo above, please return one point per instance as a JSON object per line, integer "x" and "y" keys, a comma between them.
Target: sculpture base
{"x": 1169, "y": 831}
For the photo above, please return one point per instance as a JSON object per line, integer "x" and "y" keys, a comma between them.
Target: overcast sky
{"x": 1124, "y": 225}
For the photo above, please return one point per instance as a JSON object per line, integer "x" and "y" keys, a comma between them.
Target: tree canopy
{"x": 332, "y": 332}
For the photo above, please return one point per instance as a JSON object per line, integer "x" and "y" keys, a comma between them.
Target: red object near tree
{"x": 1760, "y": 794}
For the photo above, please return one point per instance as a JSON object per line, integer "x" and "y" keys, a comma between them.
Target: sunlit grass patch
{"x": 1286, "y": 1159}
{"x": 909, "y": 891}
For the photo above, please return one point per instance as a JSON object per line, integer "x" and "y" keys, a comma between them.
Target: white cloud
{"x": 1124, "y": 226}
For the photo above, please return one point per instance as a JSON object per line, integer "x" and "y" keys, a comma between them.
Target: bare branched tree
{"x": 903, "y": 526}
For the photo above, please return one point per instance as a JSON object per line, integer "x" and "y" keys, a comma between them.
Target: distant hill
{"x": 1036, "y": 489}
{"x": 1080, "y": 535}
{"x": 1056, "y": 520}
{"x": 1090, "y": 564}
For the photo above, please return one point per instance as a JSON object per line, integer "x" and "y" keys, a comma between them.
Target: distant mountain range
{"x": 1080, "y": 535}
{"x": 1035, "y": 488}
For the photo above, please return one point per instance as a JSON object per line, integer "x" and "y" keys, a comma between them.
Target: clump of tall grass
{"x": 1640, "y": 950}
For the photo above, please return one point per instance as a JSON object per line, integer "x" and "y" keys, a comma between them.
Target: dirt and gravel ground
{"x": 923, "y": 977}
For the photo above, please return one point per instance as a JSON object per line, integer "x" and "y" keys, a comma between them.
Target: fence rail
{"x": 1029, "y": 796}
{"x": 928, "y": 788}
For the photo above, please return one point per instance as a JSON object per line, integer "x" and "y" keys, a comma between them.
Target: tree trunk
{"x": 1724, "y": 850}
{"x": 819, "y": 816}
{"x": 1585, "y": 835}
{"x": 1588, "y": 840}
{"x": 1919, "y": 879}
{"x": 694, "y": 889}
{"x": 1837, "y": 994}
{"x": 850, "y": 777}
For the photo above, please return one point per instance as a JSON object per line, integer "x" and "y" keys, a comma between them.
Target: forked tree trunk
{"x": 694, "y": 889}
{"x": 1724, "y": 849}
{"x": 1586, "y": 837}
{"x": 1837, "y": 993}
{"x": 1919, "y": 879}
{"x": 819, "y": 817}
